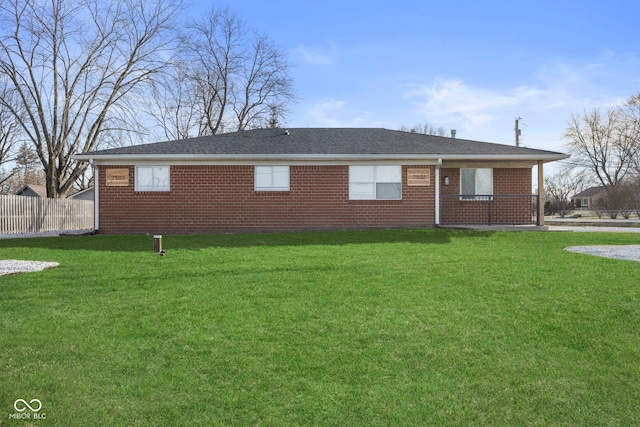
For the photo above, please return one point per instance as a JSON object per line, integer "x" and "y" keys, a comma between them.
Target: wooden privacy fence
{"x": 23, "y": 214}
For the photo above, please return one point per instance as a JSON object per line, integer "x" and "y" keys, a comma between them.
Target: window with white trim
{"x": 271, "y": 178}
{"x": 153, "y": 178}
{"x": 476, "y": 184}
{"x": 382, "y": 182}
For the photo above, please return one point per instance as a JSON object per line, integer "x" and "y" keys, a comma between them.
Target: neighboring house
{"x": 313, "y": 179}
{"x": 86, "y": 194}
{"x": 33, "y": 191}
{"x": 588, "y": 199}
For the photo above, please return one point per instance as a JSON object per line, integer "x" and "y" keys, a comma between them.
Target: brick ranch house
{"x": 313, "y": 179}
{"x": 588, "y": 199}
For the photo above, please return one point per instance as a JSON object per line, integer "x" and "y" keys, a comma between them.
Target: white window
{"x": 375, "y": 182}
{"x": 271, "y": 178}
{"x": 475, "y": 183}
{"x": 153, "y": 178}
{"x": 585, "y": 203}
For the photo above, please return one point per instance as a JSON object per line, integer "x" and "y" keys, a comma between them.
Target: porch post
{"x": 540, "y": 193}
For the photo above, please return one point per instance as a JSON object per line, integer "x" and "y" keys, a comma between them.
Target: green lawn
{"x": 409, "y": 327}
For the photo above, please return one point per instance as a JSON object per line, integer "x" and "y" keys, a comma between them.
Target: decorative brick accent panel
{"x": 221, "y": 199}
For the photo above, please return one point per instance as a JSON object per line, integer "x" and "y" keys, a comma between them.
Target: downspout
{"x": 438, "y": 191}
{"x": 540, "y": 193}
{"x": 96, "y": 196}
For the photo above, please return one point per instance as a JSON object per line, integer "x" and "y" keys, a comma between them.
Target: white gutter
{"x": 105, "y": 158}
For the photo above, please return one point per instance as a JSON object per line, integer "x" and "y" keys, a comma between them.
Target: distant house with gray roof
{"x": 588, "y": 199}
{"x": 86, "y": 194}
{"x": 32, "y": 190}
{"x": 313, "y": 179}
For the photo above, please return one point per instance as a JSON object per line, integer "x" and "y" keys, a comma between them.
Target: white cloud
{"x": 324, "y": 113}
{"x": 478, "y": 109}
{"x": 589, "y": 85}
{"x": 334, "y": 113}
{"x": 548, "y": 95}
{"x": 317, "y": 55}
{"x": 453, "y": 101}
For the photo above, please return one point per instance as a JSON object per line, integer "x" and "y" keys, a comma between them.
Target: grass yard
{"x": 409, "y": 327}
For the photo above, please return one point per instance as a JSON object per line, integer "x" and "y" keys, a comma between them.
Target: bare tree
{"x": 635, "y": 196}
{"x": 7, "y": 132}
{"x": 235, "y": 79}
{"x": 626, "y": 199}
{"x": 426, "y": 128}
{"x": 76, "y": 71}
{"x": 629, "y": 119}
{"x": 27, "y": 163}
{"x": 598, "y": 146}
{"x": 558, "y": 190}
{"x": 608, "y": 147}
{"x": 264, "y": 85}
{"x": 603, "y": 145}
{"x": 174, "y": 103}
{"x": 8, "y": 128}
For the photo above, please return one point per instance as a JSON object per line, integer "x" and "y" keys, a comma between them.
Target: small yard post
{"x": 157, "y": 243}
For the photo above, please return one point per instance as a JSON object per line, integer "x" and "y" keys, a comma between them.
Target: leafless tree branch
{"x": 75, "y": 71}
{"x": 234, "y": 78}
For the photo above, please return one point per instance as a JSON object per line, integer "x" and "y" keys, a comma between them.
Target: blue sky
{"x": 473, "y": 66}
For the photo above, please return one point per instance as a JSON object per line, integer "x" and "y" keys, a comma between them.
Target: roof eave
{"x": 546, "y": 157}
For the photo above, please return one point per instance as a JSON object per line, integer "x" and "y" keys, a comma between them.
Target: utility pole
{"x": 517, "y": 129}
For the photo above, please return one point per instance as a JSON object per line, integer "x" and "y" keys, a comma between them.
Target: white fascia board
{"x": 252, "y": 159}
{"x": 127, "y": 159}
{"x": 551, "y": 157}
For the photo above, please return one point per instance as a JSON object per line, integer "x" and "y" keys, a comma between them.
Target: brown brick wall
{"x": 220, "y": 199}
{"x": 503, "y": 210}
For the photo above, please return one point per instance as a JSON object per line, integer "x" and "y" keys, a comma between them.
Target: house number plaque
{"x": 418, "y": 177}
{"x": 117, "y": 177}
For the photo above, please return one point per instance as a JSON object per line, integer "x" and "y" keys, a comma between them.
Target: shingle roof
{"x": 320, "y": 142}
{"x": 39, "y": 190}
{"x": 589, "y": 192}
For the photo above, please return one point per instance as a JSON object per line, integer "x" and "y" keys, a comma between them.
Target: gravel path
{"x": 587, "y": 229}
{"x": 44, "y": 234}
{"x": 12, "y": 266}
{"x": 625, "y": 252}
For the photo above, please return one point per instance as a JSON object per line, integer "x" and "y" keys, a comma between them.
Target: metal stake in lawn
{"x": 157, "y": 245}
